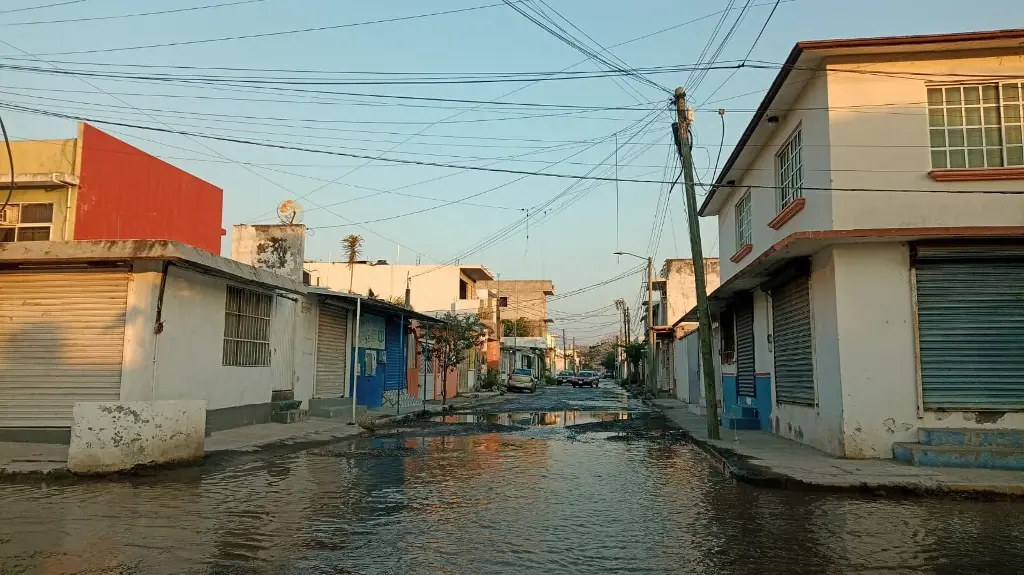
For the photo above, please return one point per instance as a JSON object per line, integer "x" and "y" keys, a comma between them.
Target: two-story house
{"x": 871, "y": 224}
{"x": 677, "y": 293}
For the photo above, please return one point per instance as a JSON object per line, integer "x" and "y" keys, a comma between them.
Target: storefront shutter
{"x": 970, "y": 314}
{"x": 61, "y": 341}
{"x": 794, "y": 362}
{"x": 331, "y": 352}
{"x": 394, "y": 351}
{"x": 745, "y": 348}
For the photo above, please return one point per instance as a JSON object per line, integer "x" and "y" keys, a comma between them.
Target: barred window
{"x": 247, "y": 328}
{"x": 976, "y": 126}
{"x": 743, "y": 228}
{"x": 790, "y": 172}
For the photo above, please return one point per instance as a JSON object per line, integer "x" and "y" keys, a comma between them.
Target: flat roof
{"x": 29, "y": 255}
{"x": 1008, "y": 38}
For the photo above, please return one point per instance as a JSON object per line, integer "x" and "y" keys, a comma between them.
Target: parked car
{"x": 564, "y": 377}
{"x": 522, "y": 379}
{"x": 587, "y": 378}
{"x": 607, "y": 375}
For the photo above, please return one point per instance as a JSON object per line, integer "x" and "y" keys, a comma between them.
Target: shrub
{"x": 490, "y": 381}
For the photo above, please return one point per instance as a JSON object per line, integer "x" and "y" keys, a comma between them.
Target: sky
{"x": 520, "y": 226}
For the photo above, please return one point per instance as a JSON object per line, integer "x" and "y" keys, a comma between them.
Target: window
{"x": 503, "y": 301}
{"x": 247, "y": 328}
{"x": 743, "y": 229}
{"x": 790, "y": 166}
{"x": 976, "y": 126}
{"x": 26, "y": 223}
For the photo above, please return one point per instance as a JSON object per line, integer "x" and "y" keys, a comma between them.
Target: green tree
{"x": 608, "y": 361}
{"x": 517, "y": 327}
{"x": 635, "y": 352}
{"x": 353, "y": 246}
{"x": 449, "y": 343}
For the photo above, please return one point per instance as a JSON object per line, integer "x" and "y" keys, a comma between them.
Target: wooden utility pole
{"x": 565, "y": 356}
{"x": 707, "y": 354}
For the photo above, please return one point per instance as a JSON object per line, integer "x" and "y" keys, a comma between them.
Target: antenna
{"x": 289, "y": 212}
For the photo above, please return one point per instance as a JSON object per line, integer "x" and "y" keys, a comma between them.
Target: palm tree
{"x": 353, "y": 245}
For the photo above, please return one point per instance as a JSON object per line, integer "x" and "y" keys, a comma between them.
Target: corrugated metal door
{"x": 394, "y": 351}
{"x": 745, "y": 348}
{"x": 794, "y": 362}
{"x": 61, "y": 341}
{"x": 970, "y": 315}
{"x": 331, "y": 352}
{"x": 282, "y": 338}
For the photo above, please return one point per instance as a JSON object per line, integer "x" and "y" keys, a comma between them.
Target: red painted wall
{"x": 125, "y": 193}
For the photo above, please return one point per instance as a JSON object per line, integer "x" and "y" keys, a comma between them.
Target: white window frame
{"x": 995, "y": 143}
{"x": 744, "y": 224}
{"x": 16, "y": 207}
{"x": 789, "y": 171}
{"x": 247, "y": 327}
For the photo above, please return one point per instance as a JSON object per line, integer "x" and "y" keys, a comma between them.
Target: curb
{"x": 739, "y": 468}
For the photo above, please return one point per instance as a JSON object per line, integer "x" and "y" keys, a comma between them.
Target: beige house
{"x": 523, "y": 299}
{"x": 872, "y": 232}
{"x": 677, "y": 292}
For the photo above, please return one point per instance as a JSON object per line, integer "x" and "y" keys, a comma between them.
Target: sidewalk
{"x": 43, "y": 460}
{"x": 763, "y": 459}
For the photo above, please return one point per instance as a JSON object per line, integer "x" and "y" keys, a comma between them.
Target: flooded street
{"x": 561, "y": 481}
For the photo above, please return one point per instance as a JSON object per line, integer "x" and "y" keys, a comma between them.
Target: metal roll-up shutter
{"x": 745, "y": 348}
{"x": 394, "y": 371}
{"x": 331, "y": 352}
{"x": 61, "y": 341}
{"x": 970, "y": 316}
{"x": 791, "y": 324}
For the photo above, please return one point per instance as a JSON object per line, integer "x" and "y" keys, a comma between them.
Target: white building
{"x": 873, "y": 237}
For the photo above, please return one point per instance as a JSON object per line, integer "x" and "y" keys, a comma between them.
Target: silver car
{"x": 522, "y": 379}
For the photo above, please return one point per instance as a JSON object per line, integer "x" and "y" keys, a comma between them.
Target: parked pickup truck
{"x": 522, "y": 379}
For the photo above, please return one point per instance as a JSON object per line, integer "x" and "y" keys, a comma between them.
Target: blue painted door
{"x": 370, "y": 383}
{"x": 394, "y": 372}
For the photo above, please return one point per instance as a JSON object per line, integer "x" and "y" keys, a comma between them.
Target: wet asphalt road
{"x": 561, "y": 481}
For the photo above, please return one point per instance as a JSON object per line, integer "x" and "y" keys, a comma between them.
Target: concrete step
{"x": 291, "y": 416}
{"x": 285, "y": 405}
{"x": 959, "y": 456}
{"x": 1008, "y": 438}
{"x": 282, "y": 395}
{"x": 733, "y": 422}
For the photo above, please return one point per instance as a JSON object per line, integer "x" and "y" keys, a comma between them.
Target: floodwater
{"x": 591, "y": 484}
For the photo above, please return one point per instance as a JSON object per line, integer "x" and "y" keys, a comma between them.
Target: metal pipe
{"x": 355, "y": 386}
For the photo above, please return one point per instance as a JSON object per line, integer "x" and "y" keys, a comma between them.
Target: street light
{"x": 651, "y": 374}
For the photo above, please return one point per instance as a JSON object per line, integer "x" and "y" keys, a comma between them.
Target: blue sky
{"x": 570, "y": 244}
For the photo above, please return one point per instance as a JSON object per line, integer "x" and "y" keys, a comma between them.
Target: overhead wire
{"x": 133, "y": 15}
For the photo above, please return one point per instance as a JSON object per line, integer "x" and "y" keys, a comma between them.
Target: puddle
{"x": 533, "y": 419}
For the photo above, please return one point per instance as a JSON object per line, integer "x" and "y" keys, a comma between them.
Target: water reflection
{"x": 495, "y": 503}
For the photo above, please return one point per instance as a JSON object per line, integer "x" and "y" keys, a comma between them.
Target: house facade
{"x": 677, "y": 292}
{"x": 872, "y": 232}
{"x": 96, "y": 187}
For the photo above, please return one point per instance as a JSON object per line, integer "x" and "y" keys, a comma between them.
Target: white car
{"x": 522, "y": 379}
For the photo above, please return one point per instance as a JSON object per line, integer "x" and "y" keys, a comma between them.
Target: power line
{"x": 134, "y": 15}
{"x": 54, "y": 5}
{"x": 272, "y": 34}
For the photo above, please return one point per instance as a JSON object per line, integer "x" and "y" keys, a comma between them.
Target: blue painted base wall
{"x": 735, "y": 405}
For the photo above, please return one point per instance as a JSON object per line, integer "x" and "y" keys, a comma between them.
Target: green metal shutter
{"x": 794, "y": 365}
{"x": 970, "y": 315}
{"x": 745, "y": 348}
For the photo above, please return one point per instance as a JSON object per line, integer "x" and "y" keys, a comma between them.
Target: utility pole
{"x": 707, "y": 355}
{"x": 408, "y": 290}
{"x": 574, "y": 366}
{"x": 652, "y": 377}
{"x": 565, "y": 356}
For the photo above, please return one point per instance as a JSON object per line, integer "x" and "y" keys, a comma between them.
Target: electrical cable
{"x": 54, "y": 5}
{"x": 10, "y": 158}
{"x": 135, "y": 15}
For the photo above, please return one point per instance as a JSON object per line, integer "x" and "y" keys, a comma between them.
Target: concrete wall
{"x": 680, "y": 293}
{"x": 125, "y": 193}
{"x": 888, "y": 147}
{"x": 820, "y": 426}
{"x": 189, "y": 351}
{"x": 809, "y": 114}
{"x": 305, "y": 350}
{"x": 526, "y": 298}
{"x": 45, "y": 157}
{"x": 434, "y": 289}
{"x": 277, "y": 248}
{"x": 113, "y": 437}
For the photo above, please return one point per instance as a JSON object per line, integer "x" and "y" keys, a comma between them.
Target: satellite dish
{"x": 289, "y": 212}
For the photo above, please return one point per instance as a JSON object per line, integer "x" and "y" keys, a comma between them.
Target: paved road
{"x": 561, "y": 481}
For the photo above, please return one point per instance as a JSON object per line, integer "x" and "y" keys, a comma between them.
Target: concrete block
{"x": 119, "y": 436}
{"x": 292, "y": 416}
